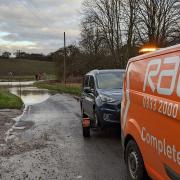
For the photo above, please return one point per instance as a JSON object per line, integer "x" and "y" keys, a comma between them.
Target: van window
{"x": 91, "y": 82}
{"x": 86, "y": 81}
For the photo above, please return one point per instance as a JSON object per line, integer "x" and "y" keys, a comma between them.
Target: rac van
{"x": 150, "y": 115}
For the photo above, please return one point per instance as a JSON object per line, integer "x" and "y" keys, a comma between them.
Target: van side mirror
{"x": 87, "y": 90}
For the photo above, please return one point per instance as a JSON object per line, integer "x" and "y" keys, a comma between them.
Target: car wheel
{"x": 134, "y": 162}
{"x": 98, "y": 121}
{"x": 86, "y": 131}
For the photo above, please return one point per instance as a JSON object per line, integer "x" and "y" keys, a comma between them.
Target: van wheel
{"x": 134, "y": 162}
{"x": 98, "y": 121}
{"x": 86, "y": 131}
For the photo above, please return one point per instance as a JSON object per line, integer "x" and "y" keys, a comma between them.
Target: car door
{"x": 91, "y": 97}
{"x": 84, "y": 95}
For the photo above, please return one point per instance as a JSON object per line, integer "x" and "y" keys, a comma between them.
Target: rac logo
{"x": 173, "y": 62}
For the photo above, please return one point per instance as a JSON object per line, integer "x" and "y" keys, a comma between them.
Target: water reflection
{"x": 30, "y": 95}
{"x": 26, "y": 83}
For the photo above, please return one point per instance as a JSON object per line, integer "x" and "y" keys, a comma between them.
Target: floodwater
{"x": 25, "y": 83}
{"x": 30, "y": 95}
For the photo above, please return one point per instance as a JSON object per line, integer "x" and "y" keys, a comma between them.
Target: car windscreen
{"x": 110, "y": 80}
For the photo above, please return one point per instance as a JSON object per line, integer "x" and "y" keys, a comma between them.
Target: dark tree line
{"x": 5, "y": 55}
{"x": 26, "y": 56}
{"x": 32, "y": 56}
{"x": 78, "y": 63}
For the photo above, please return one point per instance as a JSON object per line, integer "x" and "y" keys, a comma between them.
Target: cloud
{"x": 38, "y": 25}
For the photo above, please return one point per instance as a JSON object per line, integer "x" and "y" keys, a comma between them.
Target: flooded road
{"x": 10, "y": 84}
{"x": 54, "y": 148}
{"x": 30, "y": 95}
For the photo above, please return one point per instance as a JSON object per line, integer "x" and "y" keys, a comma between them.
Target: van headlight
{"x": 107, "y": 99}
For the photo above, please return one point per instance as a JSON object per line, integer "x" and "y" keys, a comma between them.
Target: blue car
{"x": 101, "y": 98}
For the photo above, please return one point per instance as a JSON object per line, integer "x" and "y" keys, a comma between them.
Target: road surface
{"x": 52, "y": 146}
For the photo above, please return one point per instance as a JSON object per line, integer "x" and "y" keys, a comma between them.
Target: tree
{"x": 6, "y": 55}
{"x": 130, "y": 11}
{"x": 73, "y": 64}
{"x": 106, "y": 15}
{"x": 91, "y": 37}
{"x": 158, "y": 21}
{"x": 18, "y": 54}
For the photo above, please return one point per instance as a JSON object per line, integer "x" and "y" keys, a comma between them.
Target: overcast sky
{"x": 38, "y": 25}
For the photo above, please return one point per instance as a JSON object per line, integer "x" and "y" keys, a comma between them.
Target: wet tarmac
{"x": 52, "y": 147}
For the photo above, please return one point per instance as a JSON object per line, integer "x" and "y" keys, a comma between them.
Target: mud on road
{"x": 6, "y": 121}
{"x": 52, "y": 147}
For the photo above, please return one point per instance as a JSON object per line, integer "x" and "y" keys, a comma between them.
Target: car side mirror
{"x": 87, "y": 90}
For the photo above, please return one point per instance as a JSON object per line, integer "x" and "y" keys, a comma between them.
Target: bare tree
{"x": 91, "y": 37}
{"x": 118, "y": 28}
{"x": 130, "y": 12}
{"x": 106, "y": 15}
{"x": 6, "y": 55}
{"x": 158, "y": 21}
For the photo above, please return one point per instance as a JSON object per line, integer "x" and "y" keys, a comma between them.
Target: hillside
{"x": 25, "y": 67}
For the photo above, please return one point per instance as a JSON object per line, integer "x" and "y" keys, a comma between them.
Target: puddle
{"x": 10, "y": 84}
{"x": 30, "y": 95}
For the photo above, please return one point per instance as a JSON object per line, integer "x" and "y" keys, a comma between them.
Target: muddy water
{"x": 30, "y": 95}
{"x": 10, "y": 84}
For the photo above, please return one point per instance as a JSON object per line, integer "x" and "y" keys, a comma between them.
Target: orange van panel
{"x": 151, "y": 109}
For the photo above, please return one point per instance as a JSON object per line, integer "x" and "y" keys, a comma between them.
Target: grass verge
{"x": 74, "y": 89}
{"x": 9, "y": 101}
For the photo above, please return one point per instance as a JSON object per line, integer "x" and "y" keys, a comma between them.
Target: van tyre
{"x": 134, "y": 162}
{"x": 86, "y": 132}
{"x": 98, "y": 121}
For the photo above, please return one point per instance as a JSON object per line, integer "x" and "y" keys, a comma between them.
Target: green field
{"x": 74, "y": 89}
{"x": 9, "y": 101}
{"x": 26, "y": 68}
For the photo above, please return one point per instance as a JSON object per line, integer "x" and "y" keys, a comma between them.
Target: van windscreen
{"x": 110, "y": 80}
